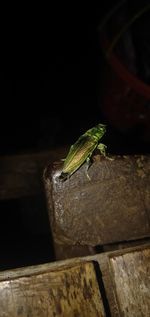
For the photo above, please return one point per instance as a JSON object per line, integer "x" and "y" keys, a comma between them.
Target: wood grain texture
{"x": 31, "y": 286}
{"x": 131, "y": 273}
{"x": 69, "y": 292}
{"x": 113, "y": 206}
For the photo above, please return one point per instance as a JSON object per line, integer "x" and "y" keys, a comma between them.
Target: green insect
{"x": 82, "y": 150}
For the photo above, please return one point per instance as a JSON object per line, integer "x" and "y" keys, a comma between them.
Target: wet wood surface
{"x": 113, "y": 206}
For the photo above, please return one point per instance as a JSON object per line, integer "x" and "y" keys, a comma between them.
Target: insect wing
{"x": 78, "y": 153}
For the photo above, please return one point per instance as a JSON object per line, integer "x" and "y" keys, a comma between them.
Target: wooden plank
{"x": 113, "y": 206}
{"x": 109, "y": 263}
{"x": 21, "y": 175}
{"x": 29, "y": 289}
{"x": 67, "y": 292}
{"x": 131, "y": 273}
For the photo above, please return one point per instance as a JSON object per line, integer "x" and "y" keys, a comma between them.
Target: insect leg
{"x": 102, "y": 147}
{"x": 88, "y": 163}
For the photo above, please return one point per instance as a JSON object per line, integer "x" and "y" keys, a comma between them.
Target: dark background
{"x": 52, "y": 78}
{"x": 48, "y": 97}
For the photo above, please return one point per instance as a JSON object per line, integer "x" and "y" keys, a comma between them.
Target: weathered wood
{"x": 71, "y": 291}
{"x": 113, "y": 206}
{"x": 29, "y": 290}
{"x": 21, "y": 175}
{"x": 131, "y": 273}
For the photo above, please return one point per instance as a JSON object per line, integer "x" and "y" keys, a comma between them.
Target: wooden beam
{"x": 113, "y": 206}
{"x": 71, "y": 291}
{"x": 21, "y": 175}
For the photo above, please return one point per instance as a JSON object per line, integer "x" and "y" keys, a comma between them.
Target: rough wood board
{"x": 68, "y": 292}
{"x": 21, "y": 175}
{"x": 131, "y": 273}
{"x": 114, "y": 206}
{"x": 105, "y": 268}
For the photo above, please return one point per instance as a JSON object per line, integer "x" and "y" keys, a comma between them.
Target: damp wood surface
{"x": 68, "y": 292}
{"x": 113, "y": 206}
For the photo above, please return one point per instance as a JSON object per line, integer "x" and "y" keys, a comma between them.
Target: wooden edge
{"x": 51, "y": 266}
